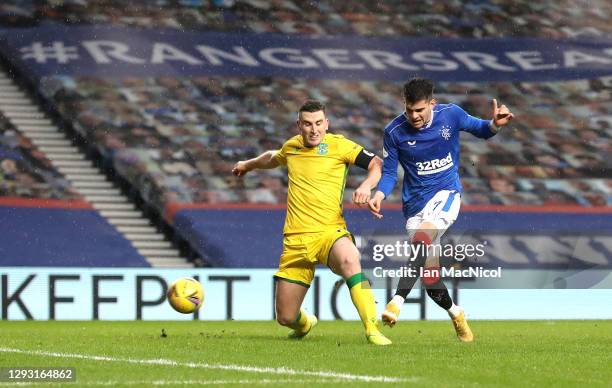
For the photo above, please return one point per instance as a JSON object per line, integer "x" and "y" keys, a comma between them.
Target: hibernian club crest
{"x": 322, "y": 149}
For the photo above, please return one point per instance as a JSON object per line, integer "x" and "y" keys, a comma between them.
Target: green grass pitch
{"x": 505, "y": 353}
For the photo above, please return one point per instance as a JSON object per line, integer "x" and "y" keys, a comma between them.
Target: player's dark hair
{"x": 418, "y": 89}
{"x": 312, "y": 106}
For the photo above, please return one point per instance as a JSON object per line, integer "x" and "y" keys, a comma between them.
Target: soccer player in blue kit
{"x": 425, "y": 141}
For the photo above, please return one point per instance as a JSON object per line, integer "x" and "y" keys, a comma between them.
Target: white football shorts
{"x": 441, "y": 210}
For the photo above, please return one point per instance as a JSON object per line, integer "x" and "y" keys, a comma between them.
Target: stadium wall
{"x": 53, "y": 233}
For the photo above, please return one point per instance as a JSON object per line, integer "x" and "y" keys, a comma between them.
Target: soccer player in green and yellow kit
{"x": 315, "y": 231}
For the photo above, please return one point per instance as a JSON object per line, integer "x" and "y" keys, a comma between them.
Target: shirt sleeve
{"x": 389, "y": 171}
{"x": 477, "y": 127}
{"x": 281, "y": 155}
{"x": 348, "y": 150}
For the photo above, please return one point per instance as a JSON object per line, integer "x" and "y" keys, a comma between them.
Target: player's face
{"x": 312, "y": 126}
{"x": 419, "y": 113}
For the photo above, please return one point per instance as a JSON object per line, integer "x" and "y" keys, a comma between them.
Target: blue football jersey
{"x": 429, "y": 156}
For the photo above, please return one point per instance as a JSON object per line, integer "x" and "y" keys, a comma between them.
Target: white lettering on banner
{"x": 56, "y": 51}
{"x": 112, "y": 52}
{"x": 163, "y": 52}
{"x": 435, "y": 61}
{"x": 378, "y": 59}
{"x": 530, "y": 60}
{"x": 572, "y": 58}
{"x": 294, "y": 57}
{"x": 103, "y": 51}
{"x": 475, "y": 61}
{"x": 587, "y": 32}
{"x": 336, "y": 59}
{"x": 240, "y": 55}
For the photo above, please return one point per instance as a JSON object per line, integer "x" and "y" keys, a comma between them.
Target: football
{"x": 186, "y": 295}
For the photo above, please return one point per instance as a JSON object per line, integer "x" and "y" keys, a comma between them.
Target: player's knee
{"x": 426, "y": 233}
{"x": 422, "y": 236}
{"x": 348, "y": 265}
{"x": 285, "y": 319}
{"x": 349, "y": 261}
{"x": 431, "y": 277}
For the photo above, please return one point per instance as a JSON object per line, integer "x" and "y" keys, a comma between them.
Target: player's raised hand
{"x": 361, "y": 195}
{"x": 501, "y": 115}
{"x": 240, "y": 168}
{"x": 375, "y": 203}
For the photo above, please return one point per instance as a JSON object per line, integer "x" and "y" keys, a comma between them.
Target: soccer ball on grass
{"x": 186, "y": 295}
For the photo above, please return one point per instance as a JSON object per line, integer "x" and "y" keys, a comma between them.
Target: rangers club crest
{"x": 445, "y": 132}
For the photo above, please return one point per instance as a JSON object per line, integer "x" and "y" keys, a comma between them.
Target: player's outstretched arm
{"x": 361, "y": 196}
{"x": 501, "y": 116}
{"x": 266, "y": 160}
{"x": 389, "y": 175}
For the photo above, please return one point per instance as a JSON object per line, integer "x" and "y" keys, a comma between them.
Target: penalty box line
{"x": 198, "y": 365}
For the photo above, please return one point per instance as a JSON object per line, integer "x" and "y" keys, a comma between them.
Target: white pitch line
{"x": 114, "y": 383}
{"x": 232, "y": 367}
{"x": 210, "y": 382}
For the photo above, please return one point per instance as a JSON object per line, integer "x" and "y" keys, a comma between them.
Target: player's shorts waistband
{"x": 313, "y": 232}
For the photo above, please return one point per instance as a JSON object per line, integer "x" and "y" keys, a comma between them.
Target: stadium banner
{"x": 112, "y": 51}
{"x": 569, "y": 250}
{"x": 248, "y": 294}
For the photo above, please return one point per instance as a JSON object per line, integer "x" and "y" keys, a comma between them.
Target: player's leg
{"x": 421, "y": 233}
{"x": 293, "y": 278}
{"x": 344, "y": 260}
{"x": 421, "y": 238}
{"x": 438, "y": 292}
{"x": 436, "y": 289}
{"x": 288, "y": 302}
